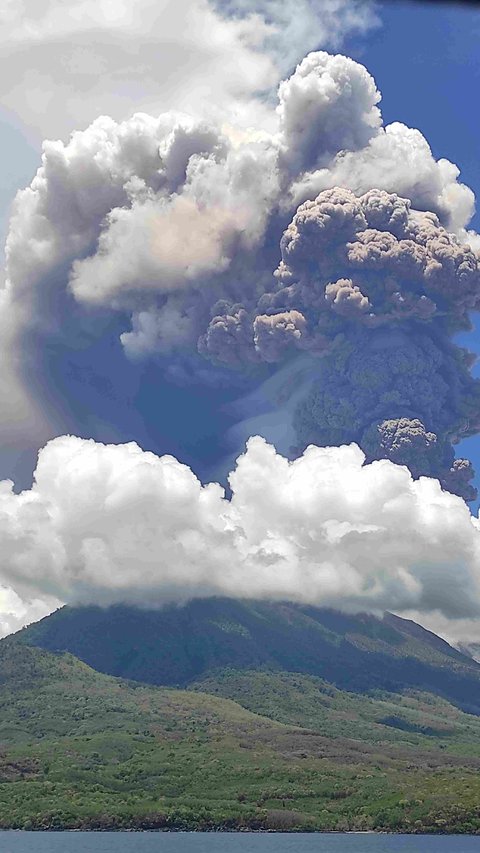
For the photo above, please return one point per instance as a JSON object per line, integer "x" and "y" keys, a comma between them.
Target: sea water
{"x": 234, "y": 842}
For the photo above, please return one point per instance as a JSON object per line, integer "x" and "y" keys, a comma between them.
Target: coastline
{"x": 237, "y": 831}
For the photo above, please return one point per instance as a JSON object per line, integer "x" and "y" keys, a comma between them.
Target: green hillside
{"x": 178, "y": 646}
{"x": 83, "y": 749}
{"x": 414, "y": 719}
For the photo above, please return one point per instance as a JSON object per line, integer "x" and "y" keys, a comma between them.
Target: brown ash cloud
{"x": 376, "y": 291}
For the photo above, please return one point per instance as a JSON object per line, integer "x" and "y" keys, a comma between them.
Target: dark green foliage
{"x": 178, "y": 645}
{"x": 79, "y": 749}
{"x": 407, "y": 726}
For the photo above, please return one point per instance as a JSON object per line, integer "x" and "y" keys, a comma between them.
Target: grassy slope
{"x": 83, "y": 749}
{"x": 414, "y": 719}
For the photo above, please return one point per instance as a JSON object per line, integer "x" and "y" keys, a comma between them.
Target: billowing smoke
{"x": 114, "y": 523}
{"x": 376, "y": 291}
{"x": 333, "y": 240}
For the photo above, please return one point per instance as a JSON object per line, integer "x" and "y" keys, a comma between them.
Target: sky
{"x": 241, "y": 264}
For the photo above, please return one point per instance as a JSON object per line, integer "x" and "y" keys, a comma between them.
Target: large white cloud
{"x": 67, "y": 61}
{"x": 328, "y": 105}
{"x": 113, "y": 523}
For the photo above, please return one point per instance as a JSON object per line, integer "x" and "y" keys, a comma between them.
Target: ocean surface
{"x": 241, "y": 842}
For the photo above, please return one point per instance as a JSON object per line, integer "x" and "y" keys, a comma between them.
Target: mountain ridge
{"x": 178, "y": 646}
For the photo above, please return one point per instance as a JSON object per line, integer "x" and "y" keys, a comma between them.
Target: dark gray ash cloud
{"x": 375, "y": 290}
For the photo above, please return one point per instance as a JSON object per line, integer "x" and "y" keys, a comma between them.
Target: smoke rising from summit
{"x": 331, "y": 238}
{"x": 375, "y": 290}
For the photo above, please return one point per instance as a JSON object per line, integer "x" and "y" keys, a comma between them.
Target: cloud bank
{"x": 111, "y": 523}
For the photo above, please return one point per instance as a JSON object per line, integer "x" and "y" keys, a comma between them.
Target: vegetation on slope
{"x": 82, "y": 749}
{"x": 178, "y": 646}
{"x": 414, "y": 719}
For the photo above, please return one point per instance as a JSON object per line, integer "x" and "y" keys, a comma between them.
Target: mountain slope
{"x": 83, "y": 750}
{"x": 180, "y": 646}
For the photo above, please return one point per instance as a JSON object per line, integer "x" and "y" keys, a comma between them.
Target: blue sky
{"x": 426, "y": 61}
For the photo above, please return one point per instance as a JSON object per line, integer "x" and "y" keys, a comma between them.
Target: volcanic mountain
{"x": 179, "y": 646}
{"x": 225, "y": 714}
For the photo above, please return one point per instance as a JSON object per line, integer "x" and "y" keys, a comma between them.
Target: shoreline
{"x": 134, "y": 830}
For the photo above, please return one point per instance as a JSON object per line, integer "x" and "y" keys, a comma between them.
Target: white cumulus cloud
{"x": 328, "y": 105}
{"x": 116, "y": 524}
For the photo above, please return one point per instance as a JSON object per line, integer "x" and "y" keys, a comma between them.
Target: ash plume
{"x": 332, "y": 239}
{"x": 375, "y": 290}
